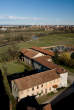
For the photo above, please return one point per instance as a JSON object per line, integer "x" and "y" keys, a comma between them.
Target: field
{"x": 50, "y": 40}
{"x": 47, "y": 40}
{"x": 13, "y": 67}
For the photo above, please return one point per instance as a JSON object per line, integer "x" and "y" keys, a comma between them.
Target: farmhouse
{"x": 37, "y": 84}
{"x": 49, "y": 77}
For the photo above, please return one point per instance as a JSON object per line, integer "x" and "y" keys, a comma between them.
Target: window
{"x": 46, "y": 91}
{"x": 42, "y": 85}
{"x": 37, "y": 87}
{"x": 50, "y": 88}
{"x": 55, "y": 86}
{"x": 33, "y": 88}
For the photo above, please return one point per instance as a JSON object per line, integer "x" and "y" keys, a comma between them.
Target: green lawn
{"x": 13, "y": 67}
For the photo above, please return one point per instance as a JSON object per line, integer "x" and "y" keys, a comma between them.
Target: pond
{"x": 35, "y": 37}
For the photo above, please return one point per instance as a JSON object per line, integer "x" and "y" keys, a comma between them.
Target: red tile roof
{"x": 36, "y": 79}
{"x": 42, "y": 60}
{"x": 46, "y": 52}
{"x": 46, "y": 63}
{"x": 24, "y": 50}
{"x": 29, "y": 53}
{"x": 60, "y": 70}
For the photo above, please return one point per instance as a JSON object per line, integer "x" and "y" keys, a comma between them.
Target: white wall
{"x": 46, "y": 88}
{"x": 14, "y": 90}
{"x": 63, "y": 79}
{"x": 41, "y": 90}
{"x": 38, "y": 55}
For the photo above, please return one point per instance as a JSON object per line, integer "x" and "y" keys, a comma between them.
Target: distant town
{"x": 36, "y": 27}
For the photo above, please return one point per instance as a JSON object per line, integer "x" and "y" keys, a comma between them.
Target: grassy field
{"x": 49, "y": 40}
{"x": 13, "y": 67}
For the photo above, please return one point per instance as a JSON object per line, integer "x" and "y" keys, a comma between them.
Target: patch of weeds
{"x": 51, "y": 93}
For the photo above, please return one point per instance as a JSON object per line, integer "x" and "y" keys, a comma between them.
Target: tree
{"x": 64, "y": 58}
{"x": 56, "y": 56}
{"x": 13, "y": 51}
{"x": 72, "y": 55}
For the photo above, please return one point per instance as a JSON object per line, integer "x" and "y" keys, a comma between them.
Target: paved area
{"x": 53, "y": 97}
{"x": 70, "y": 80}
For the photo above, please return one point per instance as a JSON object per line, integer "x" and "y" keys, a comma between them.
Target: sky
{"x": 37, "y": 12}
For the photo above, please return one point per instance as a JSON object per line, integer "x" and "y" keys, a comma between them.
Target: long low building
{"x": 44, "y": 51}
{"x": 50, "y": 76}
{"x": 27, "y": 55}
{"x": 37, "y": 84}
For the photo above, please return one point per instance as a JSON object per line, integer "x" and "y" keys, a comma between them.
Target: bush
{"x": 50, "y": 94}
{"x": 72, "y": 55}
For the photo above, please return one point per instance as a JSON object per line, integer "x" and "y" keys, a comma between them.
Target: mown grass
{"x": 13, "y": 67}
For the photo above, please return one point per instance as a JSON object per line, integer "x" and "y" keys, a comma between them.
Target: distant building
{"x": 3, "y": 29}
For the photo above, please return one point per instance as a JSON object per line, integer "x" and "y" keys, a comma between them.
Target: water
{"x": 35, "y": 37}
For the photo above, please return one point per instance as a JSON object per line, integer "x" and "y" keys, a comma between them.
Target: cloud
{"x": 20, "y": 18}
